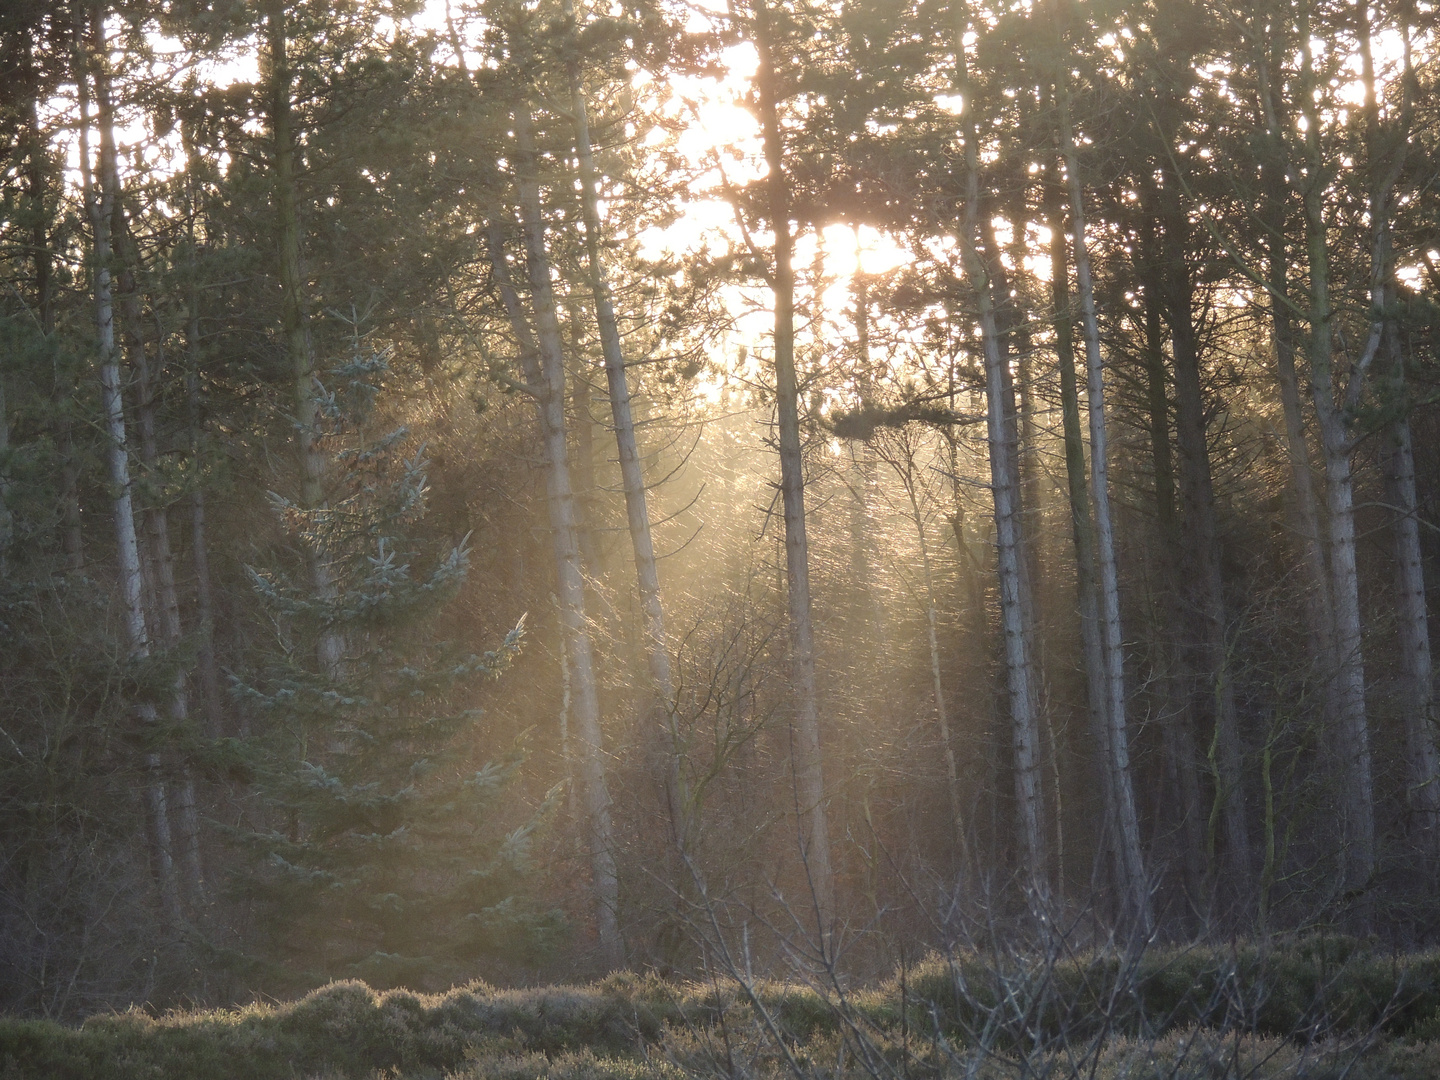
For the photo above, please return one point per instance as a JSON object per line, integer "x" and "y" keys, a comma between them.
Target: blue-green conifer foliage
{"x": 382, "y": 853}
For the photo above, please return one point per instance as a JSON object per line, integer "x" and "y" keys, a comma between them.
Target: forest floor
{"x": 1325, "y": 1009}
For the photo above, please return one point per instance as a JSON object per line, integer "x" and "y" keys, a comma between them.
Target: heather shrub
{"x": 1306, "y": 1010}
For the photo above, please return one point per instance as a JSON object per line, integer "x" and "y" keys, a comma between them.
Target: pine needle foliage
{"x": 382, "y": 853}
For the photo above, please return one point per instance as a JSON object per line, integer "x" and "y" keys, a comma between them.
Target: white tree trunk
{"x": 166, "y": 610}
{"x": 1117, "y": 741}
{"x": 1321, "y": 600}
{"x": 1307, "y": 508}
{"x": 805, "y": 741}
{"x": 1099, "y": 685}
{"x": 632, "y": 475}
{"x": 101, "y": 193}
{"x": 543, "y": 365}
{"x": 1352, "y": 743}
{"x": 1005, "y": 487}
{"x": 1411, "y": 616}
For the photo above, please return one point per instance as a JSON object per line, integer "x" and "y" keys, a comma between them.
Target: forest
{"x": 547, "y": 490}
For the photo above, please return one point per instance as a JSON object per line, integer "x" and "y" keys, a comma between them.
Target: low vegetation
{"x": 1326, "y": 1008}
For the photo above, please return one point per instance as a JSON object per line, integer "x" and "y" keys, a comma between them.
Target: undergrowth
{"x": 1324, "y": 1009}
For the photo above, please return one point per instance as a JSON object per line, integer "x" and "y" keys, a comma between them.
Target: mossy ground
{"x": 1320, "y": 1010}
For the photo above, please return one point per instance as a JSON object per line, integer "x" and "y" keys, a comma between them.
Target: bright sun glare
{"x": 719, "y": 139}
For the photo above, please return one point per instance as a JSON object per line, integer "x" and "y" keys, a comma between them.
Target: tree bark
{"x": 101, "y": 194}
{"x": 1357, "y": 860}
{"x": 1178, "y": 732}
{"x": 1117, "y": 743}
{"x": 1013, "y": 341}
{"x": 1078, "y": 487}
{"x": 165, "y": 609}
{"x": 1020, "y": 345}
{"x": 805, "y": 737}
{"x": 632, "y": 474}
{"x": 1123, "y": 831}
{"x": 543, "y": 362}
{"x": 582, "y": 472}
{"x": 1015, "y": 604}
{"x": 1201, "y": 553}
{"x": 1386, "y": 161}
{"x": 1319, "y": 607}
{"x": 1277, "y": 176}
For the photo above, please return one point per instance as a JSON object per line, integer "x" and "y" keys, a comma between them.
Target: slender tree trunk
{"x": 1117, "y": 743}
{"x": 543, "y": 360}
{"x": 1012, "y": 337}
{"x": 1357, "y": 864}
{"x": 1306, "y": 514}
{"x": 205, "y": 613}
{"x": 1412, "y": 620}
{"x": 1411, "y": 617}
{"x": 1202, "y": 553}
{"x": 166, "y": 606}
{"x": 1306, "y": 505}
{"x": 972, "y": 568}
{"x": 583, "y": 470}
{"x": 587, "y": 505}
{"x": 199, "y": 539}
{"x": 805, "y": 737}
{"x": 942, "y": 714}
{"x": 1021, "y": 346}
{"x": 1005, "y": 484}
{"x": 1082, "y": 527}
{"x": 1092, "y": 642}
{"x": 632, "y": 473}
{"x": 1386, "y": 163}
{"x": 100, "y": 197}
{"x": 1349, "y": 684}
{"x": 1178, "y": 731}
{"x": 330, "y": 649}
{"x": 1172, "y": 277}
{"x": 1015, "y": 345}
{"x": 1013, "y": 341}
{"x": 169, "y": 605}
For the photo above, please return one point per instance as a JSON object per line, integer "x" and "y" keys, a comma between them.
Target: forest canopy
{"x": 532, "y": 488}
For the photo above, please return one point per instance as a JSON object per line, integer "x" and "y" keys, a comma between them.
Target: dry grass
{"x": 1321, "y": 1009}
